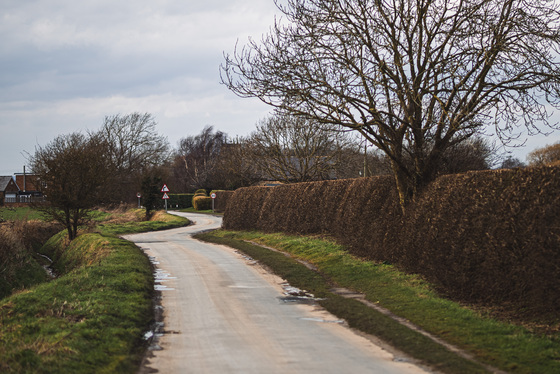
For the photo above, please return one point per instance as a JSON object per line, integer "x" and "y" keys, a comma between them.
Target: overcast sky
{"x": 65, "y": 65}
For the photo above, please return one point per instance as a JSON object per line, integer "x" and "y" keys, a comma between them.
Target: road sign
{"x": 164, "y": 188}
{"x": 165, "y": 196}
{"x": 213, "y": 195}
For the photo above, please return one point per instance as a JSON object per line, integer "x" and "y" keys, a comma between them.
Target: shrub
{"x": 200, "y": 192}
{"x": 202, "y": 203}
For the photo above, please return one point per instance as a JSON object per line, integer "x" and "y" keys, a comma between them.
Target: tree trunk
{"x": 404, "y": 185}
{"x": 410, "y": 183}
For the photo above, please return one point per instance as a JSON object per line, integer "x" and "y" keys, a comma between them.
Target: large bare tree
{"x": 413, "y": 77}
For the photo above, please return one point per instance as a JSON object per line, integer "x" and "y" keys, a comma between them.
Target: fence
{"x": 23, "y": 199}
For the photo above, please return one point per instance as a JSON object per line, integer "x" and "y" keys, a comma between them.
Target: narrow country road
{"x": 224, "y": 314}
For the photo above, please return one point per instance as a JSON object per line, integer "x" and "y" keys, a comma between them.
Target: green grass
{"x": 508, "y": 347}
{"x": 92, "y": 318}
{"x": 16, "y": 214}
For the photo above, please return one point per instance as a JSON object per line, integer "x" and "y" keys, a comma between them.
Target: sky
{"x": 65, "y": 65}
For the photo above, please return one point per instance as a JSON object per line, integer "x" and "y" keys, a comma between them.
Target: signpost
{"x": 213, "y": 196}
{"x": 139, "y": 195}
{"x": 165, "y": 197}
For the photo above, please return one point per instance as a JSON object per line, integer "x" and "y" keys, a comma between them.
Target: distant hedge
{"x": 202, "y": 202}
{"x": 491, "y": 236}
{"x": 180, "y": 201}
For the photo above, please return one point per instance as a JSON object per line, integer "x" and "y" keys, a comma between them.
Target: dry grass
{"x": 11, "y": 244}
{"x": 162, "y": 216}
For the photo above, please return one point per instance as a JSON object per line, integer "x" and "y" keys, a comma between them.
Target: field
{"x": 18, "y": 214}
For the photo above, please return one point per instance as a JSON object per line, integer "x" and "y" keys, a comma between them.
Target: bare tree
{"x": 547, "y": 155}
{"x": 134, "y": 148}
{"x": 198, "y": 158}
{"x": 235, "y": 168}
{"x": 292, "y": 149}
{"x": 73, "y": 170}
{"x": 413, "y": 77}
{"x": 476, "y": 153}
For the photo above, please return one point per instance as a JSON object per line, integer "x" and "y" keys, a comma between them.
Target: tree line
{"x": 126, "y": 156}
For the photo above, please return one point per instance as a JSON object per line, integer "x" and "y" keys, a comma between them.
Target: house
{"x": 28, "y": 183}
{"x": 8, "y": 190}
{"x": 29, "y": 187}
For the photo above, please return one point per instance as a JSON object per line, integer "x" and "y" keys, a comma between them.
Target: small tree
{"x": 73, "y": 170}
{"x": 511, "y": 162}
{"x": 151, "y": 193}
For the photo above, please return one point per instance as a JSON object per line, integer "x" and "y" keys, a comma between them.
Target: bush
{"x": 202, "y": 203}
{"x": 200, "y": 192}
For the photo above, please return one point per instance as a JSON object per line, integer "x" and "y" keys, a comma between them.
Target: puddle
{"x": 321, "y": 320}
{"x": 160, "y": 277}
{"x": 297, "y": 296}
{"x": 156, "y": 331}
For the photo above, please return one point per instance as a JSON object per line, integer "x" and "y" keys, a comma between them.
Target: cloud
{"x": 65, "y": 65}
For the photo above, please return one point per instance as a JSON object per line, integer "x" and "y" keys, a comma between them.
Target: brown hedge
{"x": 488, "y": 236}
{"x": 221, "y": 200}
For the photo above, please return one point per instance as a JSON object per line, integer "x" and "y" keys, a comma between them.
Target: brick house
{"x": 9, "y": 190}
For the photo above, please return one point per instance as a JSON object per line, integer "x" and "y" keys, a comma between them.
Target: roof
{"x": 28, "y": 182}
{"x": 4, "y": 182}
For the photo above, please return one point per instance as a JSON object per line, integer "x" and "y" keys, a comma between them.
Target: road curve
{"x": 223, "y": 314}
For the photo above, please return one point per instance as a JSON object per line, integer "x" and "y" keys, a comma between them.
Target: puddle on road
{"x": 297, "y": 296}
{"x": 157, "y": 330}
{"x": 160, "y": 276}
{"x": 321, "y": 320}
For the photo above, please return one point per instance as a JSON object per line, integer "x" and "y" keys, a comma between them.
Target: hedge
{"x": 180, "y": 201}
{"x": 202, "y": 202}
{"x": 490, "y": 236}
{"x": 221, "y": 201}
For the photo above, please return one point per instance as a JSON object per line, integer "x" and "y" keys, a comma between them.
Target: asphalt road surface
{"x": 223, "y": 313}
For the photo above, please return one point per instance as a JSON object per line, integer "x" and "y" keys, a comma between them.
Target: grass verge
{"x": 507, "y": 347}
{"x": 92, "y": 318}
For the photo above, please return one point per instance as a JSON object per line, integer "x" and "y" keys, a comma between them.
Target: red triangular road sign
{"x": 165, "y": 196}
{"x": 164, "y": 188}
